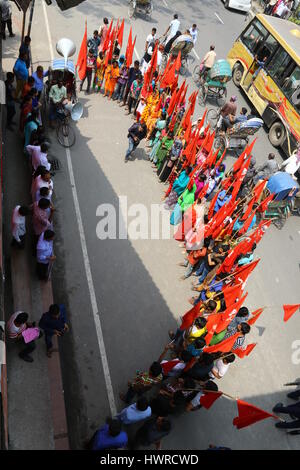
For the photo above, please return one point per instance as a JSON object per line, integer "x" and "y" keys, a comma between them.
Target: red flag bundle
{"x": 224, "y": 346}
{"x": 208, "y": 399}
{"x": 264, "y": 204}
{"x": 120, "y": 34}
{"x": 289, "y": 310}
{"x": 249, "y": 414}
{"x": 190, "y": 316}
{"x": 255, "y": 316}
{"x": 241, "y": 353}
{"x": 82, "y": 56}
{"x": 130, "y": 53}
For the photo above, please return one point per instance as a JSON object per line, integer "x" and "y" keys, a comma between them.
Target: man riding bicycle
{"x": 58, "y": 97}
{"x": 207, "y": 62}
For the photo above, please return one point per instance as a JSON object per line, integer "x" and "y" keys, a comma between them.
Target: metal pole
{"x": 30, "y": 17}
{"x": 23, "y": 26}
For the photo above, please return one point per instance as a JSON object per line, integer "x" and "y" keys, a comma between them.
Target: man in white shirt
{"x": 221, "y": 366}
{"x": 38, "y": 155}
{"x": 150, "y": 38}
{"x": 194, "y": 33}
{"x": 44, "y": 179}
{"x": 172, "y": 29}
{"x": 45, "y": 254}
{"x": 43, "y": 192}
{"x": 195, "y": 403}
{"x": 18, "y": 226}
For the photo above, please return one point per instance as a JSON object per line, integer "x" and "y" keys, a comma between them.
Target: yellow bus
{"x": 265, "y": 62}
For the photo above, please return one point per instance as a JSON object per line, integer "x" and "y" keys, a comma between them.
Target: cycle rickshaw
{"x": 285, "y": 189}
{"x": 237, "y": 137}
{"x": 145, "y": 7}
{"x": 184, "y": 44}
{"x": 215, "y": 83}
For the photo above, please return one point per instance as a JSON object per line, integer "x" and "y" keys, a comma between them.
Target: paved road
{"x": 134, "y": 284}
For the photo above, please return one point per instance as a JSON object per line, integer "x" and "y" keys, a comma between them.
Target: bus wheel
{"x": 277, "y": 134}
{"x": 237, "y": 74}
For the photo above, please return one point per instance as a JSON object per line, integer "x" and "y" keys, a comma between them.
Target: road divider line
{"x": 165, "y": 3}
{"x": 197, "y": 57}
{"x": 220, "y": 19}
{"x": 88, "y": 272}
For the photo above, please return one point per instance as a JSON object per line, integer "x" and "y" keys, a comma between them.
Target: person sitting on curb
{"x": 53, "y": 322}
{"x": 15, "y": 328}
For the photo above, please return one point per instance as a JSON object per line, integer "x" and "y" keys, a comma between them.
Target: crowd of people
{"x": 25, "y": 91}
{"x": 218, "y": 213}
{"x": 219, "y": 217}
{"x": 280, "y": 8}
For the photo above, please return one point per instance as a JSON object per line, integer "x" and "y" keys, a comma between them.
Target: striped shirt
{"x": 14, "y": 331}
{"x": 239, "y": 342}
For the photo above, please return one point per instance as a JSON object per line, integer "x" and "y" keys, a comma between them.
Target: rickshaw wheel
{"x": 196, "y": 73}
{"x": 219, "y": 143}
{"x": 212, "y": 117}
{"x": 221, "y": 98}
{"x": 202, "y": 95}
{"x": 131, "y": 10}
{"x": 183, "y": 68}
{"x": 65, "y": 135}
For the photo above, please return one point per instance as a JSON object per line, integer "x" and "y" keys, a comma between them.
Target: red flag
{"x": 223, "y": 346}
{"x": 178, "y": 62}
{"x": 221, "y": 158}
{"x": 212, "y": 205}
{"x": 249, "y": 209}
{"x": 289, "y": 310}
{"x": 260, "y": 231}
{"x": 109, "y": 53}
{"x": 208, "y": 146}
{"x": 173, "y": 102}
{"x": 182, "y": 99}
{"x": 249, "y": 414}
{"x": 247, "y": 224}
{"x": 242, "y": 273}
{"x": 239, "y": 162}
{"x": 229, "y": 314}
{"x": 120, "y": 34}
{"x": 168, "y": 365}
{"x": 241, "y": 248}
{"x": 257, "y": 191}
{"x": 187, "y": 134}
{"x": 190, "y": 316}
{"x": 211, "y": 326}
{"x": 231, "y": 293}
{"x": 159, "y": 104}
{"x": 169, "y": 77}
{"x": 82, "y": 56}
{"x": 192, "y": 101}
{"x": 201, "y": 123}
{"x": 131, "y": 52}
{"x": 255, "y": 316}
{"x": 107, "y": 37}
{"x": 208, "y": 399}
{"x": 173, "y": 122}
{"x": 264, "y": 204}
{"x": 241, "y": 353}
{"x": 128, "y": 48}
{"x": 187, "y": 118}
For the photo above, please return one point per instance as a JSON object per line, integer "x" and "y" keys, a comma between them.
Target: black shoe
{"x": 26, "y": 358}
{"x": 280, "y": 424}
{"x": 3, "y": 37}
{"x": 12, "y": 35}
{"x": 277, "y": 406}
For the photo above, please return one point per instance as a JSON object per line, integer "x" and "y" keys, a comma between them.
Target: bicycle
{"x": 65, "y": 133}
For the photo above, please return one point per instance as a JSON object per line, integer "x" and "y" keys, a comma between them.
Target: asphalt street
{"x": 133, "y": 286}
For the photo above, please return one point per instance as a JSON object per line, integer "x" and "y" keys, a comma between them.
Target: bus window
{"x": 291, "y": 87}
{"x": 278, "y": 65}
{"x": 254, "y": 36}
{"x": 268, "y": 48}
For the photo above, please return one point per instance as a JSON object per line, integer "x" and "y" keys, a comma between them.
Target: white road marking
{"x": 96, "y": 313}
{"x": 220, "y": 19}
{"x": 196, "y": 54}
{"x": 165, "y": 3}
{"x": 136, "y": 53}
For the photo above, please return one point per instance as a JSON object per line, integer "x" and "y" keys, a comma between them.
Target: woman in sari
{"x": 163, "y": 151}
{"x": 111, "y": 79}
{"x": 167, "y": 165}
{"x": 156, "y": 142}
{"x": 99, "y": 74}
{"x": 178, "y": 187}
{"x": 184, "y": 202}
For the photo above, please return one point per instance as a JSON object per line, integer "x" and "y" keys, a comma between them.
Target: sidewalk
{"x": 36, "y": 409}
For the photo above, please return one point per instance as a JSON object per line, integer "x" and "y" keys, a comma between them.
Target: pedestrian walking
{"x": 45, "y": 255}
{"x": 20, "y": 330}
{"x": 21, "y": 73}
{"x": 5, "y": 6}
{"x": 25, "y": 49}
{"x": 136, "y": 412}
{"x": 109, "y": 436}
{"x": 18, "y": 225}
{"x": 152, "y": 432}
{"x": 90, "y": 66}
{"x": 136, "y": 133}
